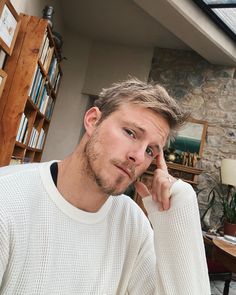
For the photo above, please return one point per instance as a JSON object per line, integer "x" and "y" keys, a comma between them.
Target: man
{"x": 66, "y": 228}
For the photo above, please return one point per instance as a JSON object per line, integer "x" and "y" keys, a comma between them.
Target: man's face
{"x": 123, "y": 146}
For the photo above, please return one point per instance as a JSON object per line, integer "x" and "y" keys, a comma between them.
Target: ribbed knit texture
{"x": 47, "y": 246}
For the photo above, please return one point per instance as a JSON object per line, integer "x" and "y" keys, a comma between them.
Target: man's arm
{"x": 4, "y": 245}
{"x": 181, "y": 264}
{"x": 172, "y": 208}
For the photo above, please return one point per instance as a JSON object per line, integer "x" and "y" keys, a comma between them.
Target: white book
{"x": 20, "y": 127}
{"x": 23, "y": 128}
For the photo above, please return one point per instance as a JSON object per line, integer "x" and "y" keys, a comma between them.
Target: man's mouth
{"x": 127, "y": 171}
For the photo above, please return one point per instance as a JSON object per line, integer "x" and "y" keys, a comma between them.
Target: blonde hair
{"x": 148, "y": 95}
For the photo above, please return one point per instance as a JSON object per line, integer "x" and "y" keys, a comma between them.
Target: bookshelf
{"x": 29, "y": 96}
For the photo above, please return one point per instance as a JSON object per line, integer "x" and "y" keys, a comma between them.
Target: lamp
{"x": 228, "y": 171}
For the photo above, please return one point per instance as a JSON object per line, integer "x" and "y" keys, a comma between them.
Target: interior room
{"x": 48, "y": 82}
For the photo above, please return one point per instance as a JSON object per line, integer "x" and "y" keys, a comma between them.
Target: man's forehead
{"x": 153, "y": 137}
{"x": 143, "y": 118}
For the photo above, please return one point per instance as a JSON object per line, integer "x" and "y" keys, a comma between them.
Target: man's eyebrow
{"x": 157, "y": 146}
{"x": 134, "y": 125}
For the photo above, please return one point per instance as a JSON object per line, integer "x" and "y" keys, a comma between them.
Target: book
{"x": 20, "y": 127}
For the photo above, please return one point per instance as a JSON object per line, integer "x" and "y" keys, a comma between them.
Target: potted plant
{"x": 229, "y": 215}
{"x": 226, "y": 200}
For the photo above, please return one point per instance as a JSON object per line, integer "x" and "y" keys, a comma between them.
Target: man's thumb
{"x": 141, "y": 189}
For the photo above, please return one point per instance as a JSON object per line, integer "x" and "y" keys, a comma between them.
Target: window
{"x": 222, "y": 12}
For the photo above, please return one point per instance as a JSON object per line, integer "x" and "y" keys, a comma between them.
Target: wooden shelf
{"x": 20, "y": 145}
{"x": 28, "y": 100}
{"x": 184, "y": 168}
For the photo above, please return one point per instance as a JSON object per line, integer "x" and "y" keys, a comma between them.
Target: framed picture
{"x": 9, "y": 26}
{"x": 191, "y": 138}
{"x": 3, "y": 77}
{"x": 2, "y": 58}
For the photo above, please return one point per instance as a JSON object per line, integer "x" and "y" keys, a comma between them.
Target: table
{"x": 225, "y": 253}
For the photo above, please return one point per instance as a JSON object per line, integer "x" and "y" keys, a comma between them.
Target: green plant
{"x": 229, "y": 208}
{"x": 220, "y": 196}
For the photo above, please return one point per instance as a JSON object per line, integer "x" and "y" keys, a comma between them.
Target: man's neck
{"x": 76, "y": 186}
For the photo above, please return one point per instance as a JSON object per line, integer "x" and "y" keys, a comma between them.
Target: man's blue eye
{"x": 149, "y": 151}
{"x": 130, "y": 133}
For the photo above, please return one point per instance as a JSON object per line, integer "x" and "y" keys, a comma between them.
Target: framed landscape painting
{"x": 191, "y": 138}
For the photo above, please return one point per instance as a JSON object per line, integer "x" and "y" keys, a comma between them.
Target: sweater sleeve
{"x": 4, "y": 246}
{"x": 181, "y": 267}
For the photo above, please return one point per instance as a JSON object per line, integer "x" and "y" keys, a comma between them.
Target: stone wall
{"x": 209, "y": 92}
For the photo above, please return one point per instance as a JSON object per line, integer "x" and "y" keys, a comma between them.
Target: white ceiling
{"x": 176, "y": 24}
{"x": 117, "y": 21}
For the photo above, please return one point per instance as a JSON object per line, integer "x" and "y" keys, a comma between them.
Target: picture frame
{"x": 191, "y": 138}
{"x": 3, "y": 56}
{"x": 3, "y": 77}
{"x": 9, "y": 26}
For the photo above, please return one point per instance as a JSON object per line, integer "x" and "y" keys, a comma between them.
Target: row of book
{"x": 22, "y": 130}
{"x": 56, "y": 84}
{"x": 54, "y": 73}
{"x": 45, "y": 52}
{"x": 37, "y": 85}
{"x": 15, "y": 160}
{"x": 50, "y": 106}
{"x": 39, "y": 94}
{"x": 37, "y": 138}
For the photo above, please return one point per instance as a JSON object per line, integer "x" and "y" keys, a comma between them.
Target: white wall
{"x": 85, "y": 71}
{"x": 109, "y": 63}
{"x": 67, "y": 119}
{"x": 90, "y": 67}
{"x": 35, "y": 7}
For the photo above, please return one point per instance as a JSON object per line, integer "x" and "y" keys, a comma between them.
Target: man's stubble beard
{"x": 92, "y": 154}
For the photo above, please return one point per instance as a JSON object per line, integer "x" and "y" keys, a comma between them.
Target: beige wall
{"x": 35, "y": 7}
{"x": 89, "y": 67}
{"x": 67, "y": 119}
{"x": 110, "y": 63}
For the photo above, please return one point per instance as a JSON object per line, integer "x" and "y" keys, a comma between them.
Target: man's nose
{"x": 137, "y": 156}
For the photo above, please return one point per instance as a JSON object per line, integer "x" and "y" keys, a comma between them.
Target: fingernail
{"x": 160, "y": 207}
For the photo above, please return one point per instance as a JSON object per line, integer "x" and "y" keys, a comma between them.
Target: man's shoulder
{"x": 13, "y": 169}
{"x": 16, "y": 179}
{"x": 20, "y": 185}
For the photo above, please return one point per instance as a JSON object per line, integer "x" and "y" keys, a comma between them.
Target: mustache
{"x": 126, "y": 165}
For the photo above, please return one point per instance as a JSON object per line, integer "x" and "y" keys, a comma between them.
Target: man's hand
{"x": 161, "y": 184}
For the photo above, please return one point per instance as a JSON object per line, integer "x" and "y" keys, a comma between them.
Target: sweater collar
{"x": 67, "y": 208}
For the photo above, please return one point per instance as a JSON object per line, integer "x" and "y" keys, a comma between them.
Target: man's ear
{"x": 91, "y": 118}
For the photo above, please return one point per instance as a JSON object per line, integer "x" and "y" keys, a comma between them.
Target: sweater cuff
{"x": 181, "y": 194}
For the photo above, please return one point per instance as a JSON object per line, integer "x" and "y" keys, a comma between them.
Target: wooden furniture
{"x": 225, "y": 253}
{"x": 30, "y": 92}
{"x": 216, "y": 269}
{"x": 187, "y": 173}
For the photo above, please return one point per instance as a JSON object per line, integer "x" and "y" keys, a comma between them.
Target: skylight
{"x": 222, "y": 12}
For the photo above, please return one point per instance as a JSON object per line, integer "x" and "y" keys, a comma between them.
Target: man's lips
{"x": 126, "y": 170}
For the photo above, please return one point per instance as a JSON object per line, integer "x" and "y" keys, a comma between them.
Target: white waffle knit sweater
{"x": 47, "y": 246}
